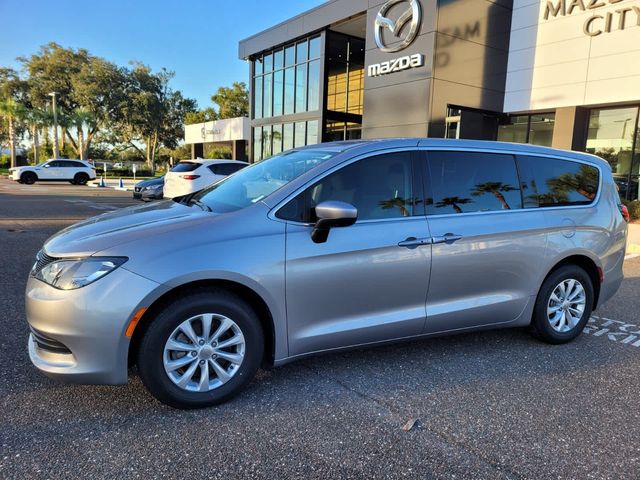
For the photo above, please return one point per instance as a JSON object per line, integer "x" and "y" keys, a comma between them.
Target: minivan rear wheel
{"x": 563, "y": 306}
{"x": 201, "y": 350}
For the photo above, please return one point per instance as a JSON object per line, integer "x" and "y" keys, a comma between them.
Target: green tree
{"x": 153, "y": 115}
{"x": 87, "y": 88}
{"x": 13, "y": 112}
{"x": 201, "y": 116}
{"x": 232, "y": 102}
{"x": 12, "y": 109}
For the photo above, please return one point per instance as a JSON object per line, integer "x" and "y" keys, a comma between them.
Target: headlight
{"x": 73, "y": 274}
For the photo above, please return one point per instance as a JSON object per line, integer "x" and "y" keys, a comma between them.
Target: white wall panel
{"x": 553, "y": 63}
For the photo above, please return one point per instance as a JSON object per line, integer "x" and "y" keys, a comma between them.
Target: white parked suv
{"x": 77, "y": 172}
{"x": 191, "y": 176}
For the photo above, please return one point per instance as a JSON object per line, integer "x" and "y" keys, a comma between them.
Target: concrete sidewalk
{"x": 633, "y": 245}
{"x": 127, "y": 185}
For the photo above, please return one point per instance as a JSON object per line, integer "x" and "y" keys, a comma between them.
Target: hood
{"x": 123, "y": 226}
{"x": 150, "y": 183}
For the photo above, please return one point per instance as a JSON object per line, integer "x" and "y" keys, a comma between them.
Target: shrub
{"x": 634, "y": 209}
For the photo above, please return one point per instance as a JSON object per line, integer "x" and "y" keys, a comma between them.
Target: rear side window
{"x": 549, "y": 182}
{"x": 186, "y": 167}
{"x": 466, "y": 182}
{"x": 225, "y": 168}
{"x": 71, "y": 164}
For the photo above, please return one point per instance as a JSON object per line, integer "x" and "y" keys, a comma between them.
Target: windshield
{"x": 254, "y": 183}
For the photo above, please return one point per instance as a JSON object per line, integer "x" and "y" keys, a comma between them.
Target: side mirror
{"x": 332, "y": 214}
{"x": 48, "y": 165}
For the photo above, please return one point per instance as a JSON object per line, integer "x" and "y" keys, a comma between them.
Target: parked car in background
{"x": 76, "y": 172}
{"x": 324, "y": 248}
{"x": 190, "y": 176}
{"x": 148, "y": 190}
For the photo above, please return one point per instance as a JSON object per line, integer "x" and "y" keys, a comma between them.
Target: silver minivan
{"x": 323, "y": 248}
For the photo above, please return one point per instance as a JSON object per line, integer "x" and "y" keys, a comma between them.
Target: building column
{"x": 239, "y": 150}
{"x": 570, "y": 129}
{"x": 197, "y": 150}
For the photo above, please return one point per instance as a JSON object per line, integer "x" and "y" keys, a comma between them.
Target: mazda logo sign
{"x": 413, "y": 14}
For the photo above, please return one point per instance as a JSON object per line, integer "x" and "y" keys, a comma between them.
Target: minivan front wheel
{"x": 201, "y": 350}
{"x": 564, "y": 305}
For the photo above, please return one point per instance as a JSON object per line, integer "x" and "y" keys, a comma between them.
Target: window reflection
{"x": 312, "y": 133}
{"x": 300, "y": 134}
{"x": 612, "y": 134}
{"x": 380, "y": 187}
{"x": 533, "y": 129}
{"x": 464, "y": 182}
{"x": 294, "y": 85}
{"x": 301, "y": 88}
{"x": 550, "y": 182}
{"x": 286, "y": 81}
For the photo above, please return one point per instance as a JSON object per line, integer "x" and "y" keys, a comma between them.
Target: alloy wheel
{"x": 204, "y": 352}
{"x": 566, "y": 305}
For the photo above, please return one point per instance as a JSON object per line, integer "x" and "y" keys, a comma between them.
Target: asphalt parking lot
{"x": 488, "y": 405}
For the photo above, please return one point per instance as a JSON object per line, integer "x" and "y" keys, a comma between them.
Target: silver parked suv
{"x": 324, "y": 248}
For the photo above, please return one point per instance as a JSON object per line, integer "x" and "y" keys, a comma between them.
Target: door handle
{"x": 413, "y": 242}
{"x": 449, "y": 238}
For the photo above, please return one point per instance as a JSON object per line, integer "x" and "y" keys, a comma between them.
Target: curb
{"x": 633, "y": 248}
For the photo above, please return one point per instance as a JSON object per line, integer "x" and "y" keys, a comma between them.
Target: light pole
{"x": 56, "y": 153}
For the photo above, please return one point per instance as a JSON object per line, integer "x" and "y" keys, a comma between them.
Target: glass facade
{"x": 535, "y": 129}
{"x": 345, "y": 86}
{"x": 270, "y": 140}
{"x": 286, "y": 81}
{"x": 614, "y": 135}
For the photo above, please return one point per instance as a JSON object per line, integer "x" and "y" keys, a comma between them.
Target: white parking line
{"x": 632, "y": 255}
{"x": 95, "y": 206}
{"x": 613, "y": 330}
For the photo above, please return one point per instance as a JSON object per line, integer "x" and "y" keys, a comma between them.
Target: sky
{"x": 197, "y": 39}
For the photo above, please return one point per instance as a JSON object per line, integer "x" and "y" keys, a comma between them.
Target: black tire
{"x": 541, "y": 325}
{"x": 150, "y": 353}
{"x": 81, "y": 179}
{"x": 72, "y": 182}
{"x": 29, "y": 178}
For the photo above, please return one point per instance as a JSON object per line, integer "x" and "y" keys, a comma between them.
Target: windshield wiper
{"x": 201, "y": 204}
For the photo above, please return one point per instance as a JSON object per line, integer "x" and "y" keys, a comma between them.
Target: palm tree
{"x": 454, "y": 202}
{"x": 37, "y": 119}
{"x": 78, "y": 120}
{"x": 496, "y": 189}
{"x": 12, "y": 112}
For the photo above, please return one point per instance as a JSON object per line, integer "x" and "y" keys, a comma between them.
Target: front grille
{"x": 42, "y": 260}
{"x": 48, "y": 344}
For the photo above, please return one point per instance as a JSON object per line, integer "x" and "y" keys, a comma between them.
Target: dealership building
{"x": 561, "y": 73}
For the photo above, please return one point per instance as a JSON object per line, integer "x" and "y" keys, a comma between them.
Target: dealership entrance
{"x": 547, "y": 73}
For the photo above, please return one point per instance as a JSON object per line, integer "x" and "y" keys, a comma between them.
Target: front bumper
{"x": 90, "y": 322}
{"x": 147, "y": 195}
